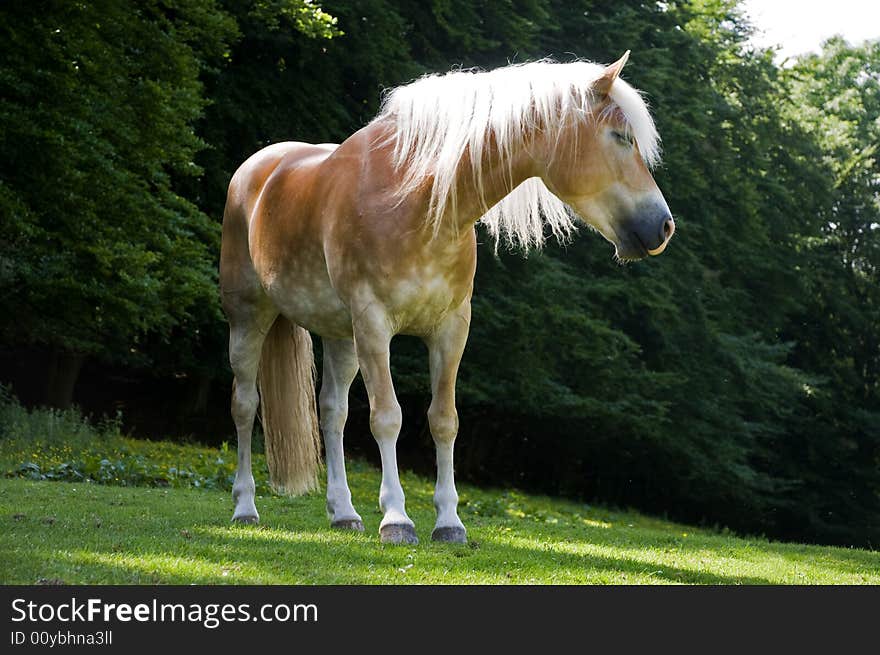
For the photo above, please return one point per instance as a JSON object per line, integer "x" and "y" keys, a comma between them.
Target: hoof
{"x": 398, "y": 534}
{"x": 246, "y": 519}
{"x": 451, "y": 535}
{"x": 348, "y": 524}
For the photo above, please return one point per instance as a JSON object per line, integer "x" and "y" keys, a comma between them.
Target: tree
{"x": 836, "y": 97}
{"x": 101, "y": 252}
{"x": 98, "y": 248}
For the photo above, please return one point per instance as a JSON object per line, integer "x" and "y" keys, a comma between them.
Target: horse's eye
{"x": 623, "y": 139}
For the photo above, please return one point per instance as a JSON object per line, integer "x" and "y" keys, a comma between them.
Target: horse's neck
{"x": 498, "y": 175}
{"x": 474, "y": 194}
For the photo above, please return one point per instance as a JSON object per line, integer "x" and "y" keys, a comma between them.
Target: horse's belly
{"x": 311, "y": 302}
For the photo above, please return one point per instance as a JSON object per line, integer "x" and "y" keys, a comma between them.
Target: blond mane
{"x": 438, "y": 118}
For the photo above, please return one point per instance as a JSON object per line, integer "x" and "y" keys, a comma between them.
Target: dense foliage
{"x": 733, "y": 380}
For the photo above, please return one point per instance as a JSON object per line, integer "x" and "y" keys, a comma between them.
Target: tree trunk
{"x": 64, "y": 368}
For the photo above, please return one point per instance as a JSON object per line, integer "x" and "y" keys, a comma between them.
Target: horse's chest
{"x": 419, "y": 299}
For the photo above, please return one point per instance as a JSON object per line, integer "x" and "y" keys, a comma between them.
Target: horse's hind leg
{"x": 340, "y": 367}
{"x": 247, "y": 331}
{"x": 445, "y": 348}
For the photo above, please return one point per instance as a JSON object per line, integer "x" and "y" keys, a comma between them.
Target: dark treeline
{"x": 732, "y": 381}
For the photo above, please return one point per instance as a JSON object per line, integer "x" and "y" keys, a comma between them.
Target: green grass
{"x": 96, "y": 534}
{"x": 174, "y": 528}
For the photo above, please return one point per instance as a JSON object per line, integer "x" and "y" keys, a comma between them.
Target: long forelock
{"x": 438, "y": 118}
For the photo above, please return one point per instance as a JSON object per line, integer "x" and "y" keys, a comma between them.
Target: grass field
{"x": 82, "y": 504}
{"x": 82, "y": 532}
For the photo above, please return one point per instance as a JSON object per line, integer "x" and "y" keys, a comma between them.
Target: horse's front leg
{"x": 340, "y": 367}
{"x": 373, "y": 341}
{"x": 445, "y": 348}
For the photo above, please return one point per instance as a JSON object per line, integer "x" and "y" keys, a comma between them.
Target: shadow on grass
{"x": 164, "y": 568}
{"x": 232, "y": 554}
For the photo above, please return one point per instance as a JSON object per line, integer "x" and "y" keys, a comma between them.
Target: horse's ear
{"x": 606, "y": 80}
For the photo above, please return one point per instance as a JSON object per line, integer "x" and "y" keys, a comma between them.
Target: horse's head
{"x": 598, "y": 169}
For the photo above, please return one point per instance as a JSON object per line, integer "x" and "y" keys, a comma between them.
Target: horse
{"x": 374, "y": 237}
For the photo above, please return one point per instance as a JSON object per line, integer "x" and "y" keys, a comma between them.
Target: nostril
{"x": 667, "y": 229}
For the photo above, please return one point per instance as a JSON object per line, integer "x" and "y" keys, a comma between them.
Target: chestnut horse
{"x": 375, "y": 237}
